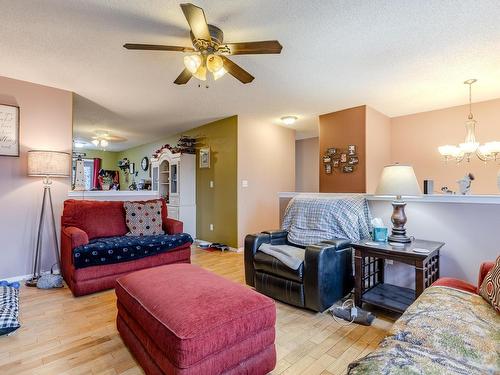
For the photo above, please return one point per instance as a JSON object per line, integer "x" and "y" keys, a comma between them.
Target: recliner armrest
{"x": 338, "y": 243}
{"x": 252, "y": 243}
{"x": 327, "y": 273}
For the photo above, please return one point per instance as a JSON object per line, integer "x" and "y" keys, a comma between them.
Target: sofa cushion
{"x": 199, "y": 314}
{"x": 9, "y": 309}
{"x": 96, "y": 218}
{"x": 143, "y": 218}
{"x": 490, "y": 287}
{"x": 269, "y": 264}
{"x": 111, "y": 250}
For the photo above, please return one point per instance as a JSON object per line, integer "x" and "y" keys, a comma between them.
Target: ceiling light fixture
{"x": 289, "y": 120}
{"x": 465, "y": 150}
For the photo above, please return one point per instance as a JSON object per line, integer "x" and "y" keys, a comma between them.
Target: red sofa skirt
{"x": 93, "y": 279}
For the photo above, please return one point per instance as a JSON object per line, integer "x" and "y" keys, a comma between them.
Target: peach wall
{"x": 46, "y": 123}
{"x": 306, "y": 161}
{"x": 415, "y": 139}
{"x": 378, "y": 146}
{"x": 266, "y": 159}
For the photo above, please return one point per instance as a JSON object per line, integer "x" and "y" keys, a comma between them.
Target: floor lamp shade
{"x": 398, "y": 181}
{"x": 48, "y": 163}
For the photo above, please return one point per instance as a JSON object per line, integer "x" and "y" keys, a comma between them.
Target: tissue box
{"x": 380, "y": 234}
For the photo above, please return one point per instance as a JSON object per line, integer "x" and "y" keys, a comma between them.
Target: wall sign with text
{"x": 9, "y": 130}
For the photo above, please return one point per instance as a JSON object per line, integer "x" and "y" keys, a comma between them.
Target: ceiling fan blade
{"x": 195, "y": 17}
{"x": 252, "y": 48}
{"x": 183, "y": 78}
{"x": 157, "y": 47}
{"x": 237, "y": 71}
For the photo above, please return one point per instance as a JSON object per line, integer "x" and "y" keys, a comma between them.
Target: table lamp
{"x": 398, "y": 181}
{"x": 46, "y": 164}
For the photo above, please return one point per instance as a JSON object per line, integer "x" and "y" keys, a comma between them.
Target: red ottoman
{"x": 181, "y": 319}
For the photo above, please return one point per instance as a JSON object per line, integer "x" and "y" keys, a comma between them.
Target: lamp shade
{"x": 48, "y": 163}
{"x": 398, "y": 180}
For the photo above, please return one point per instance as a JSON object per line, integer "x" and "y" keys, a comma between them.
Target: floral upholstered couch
{"x": 450, "y": 329}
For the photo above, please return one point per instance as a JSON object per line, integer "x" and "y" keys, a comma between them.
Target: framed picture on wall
{"x": 205, "y": 157}
{"x": 131, "y": 168}
{"x": 9, "y": 130}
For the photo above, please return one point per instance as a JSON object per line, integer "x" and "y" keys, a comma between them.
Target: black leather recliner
{"x": 324, "y": 277}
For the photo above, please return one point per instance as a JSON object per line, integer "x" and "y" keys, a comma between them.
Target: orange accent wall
{"x": 340, "y": 129}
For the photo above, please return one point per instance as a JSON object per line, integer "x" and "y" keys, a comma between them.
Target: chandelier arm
{"x": 481, "y": 156}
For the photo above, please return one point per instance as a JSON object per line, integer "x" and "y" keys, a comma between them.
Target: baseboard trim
{"x": 22, "y": 277}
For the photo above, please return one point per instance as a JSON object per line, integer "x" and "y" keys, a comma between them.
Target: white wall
{"x": 46, "y": 124}
{"x": 306, "y": 165}
{"x": 266, "y": 159}
{"x": 378, "y": 146}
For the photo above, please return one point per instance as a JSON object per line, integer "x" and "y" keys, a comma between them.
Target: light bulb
{"x": 192, "y": 63}
{"x": 214, "y": 63}
{"x": 469, "y": 147}
{"x": 201, "y": 73}
{"x": 289, "y": 120}
{"x": 219, "y": 73}
{"x": 104, "y": 143}
{"x": 95, "y": 142}
{"x": 494, "y": 146}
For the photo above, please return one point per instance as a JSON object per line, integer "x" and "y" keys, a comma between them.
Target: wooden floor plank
{"x": 61, "y": 334}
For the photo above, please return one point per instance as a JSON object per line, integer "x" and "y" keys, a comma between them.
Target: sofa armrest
{"x": 483, "y": 271}
{"x": 252, "y": 243}
{"x": 71, "y": 237}
{"x": 327, "y": 273}
{"x": 77, "y": 236}
{"x": 173, "y": 226}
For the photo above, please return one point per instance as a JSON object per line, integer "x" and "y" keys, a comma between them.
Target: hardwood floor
{"x": 65, "y": 335}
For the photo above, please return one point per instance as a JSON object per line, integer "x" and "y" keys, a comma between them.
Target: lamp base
{"x": 398, "y": 219}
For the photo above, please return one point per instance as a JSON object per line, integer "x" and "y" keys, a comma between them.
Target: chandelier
{"x": 470, "y": 147}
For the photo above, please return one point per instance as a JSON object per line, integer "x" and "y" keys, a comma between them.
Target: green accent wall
{"x": 109, "y": 159}
{"x": 217, "y": 205}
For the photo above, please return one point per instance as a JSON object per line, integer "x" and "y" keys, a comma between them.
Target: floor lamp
{"x": 46, "y": 164}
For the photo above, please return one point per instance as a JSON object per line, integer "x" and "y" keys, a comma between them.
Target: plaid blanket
{"x": 311, "y": 220}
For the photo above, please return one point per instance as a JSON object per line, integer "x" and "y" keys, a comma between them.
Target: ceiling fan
{"x": 208, "y": 51}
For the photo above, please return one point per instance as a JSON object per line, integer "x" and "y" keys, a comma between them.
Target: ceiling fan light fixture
{"x": 104, "y": 143}
{"x": 95, "y": 142}
{"x": 214, "y": 63}
{"x": 219, "y": 73}
{"x": 192, "y": 63}
{"x": 289, "y": 120}
{"x": 201, "y": 73}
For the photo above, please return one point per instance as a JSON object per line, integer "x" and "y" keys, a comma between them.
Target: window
{"x": 88, "y": 171}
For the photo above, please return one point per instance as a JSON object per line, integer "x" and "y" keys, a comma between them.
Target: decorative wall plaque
{"x": 9, "y": 130}
{"x": 343, "y": 160}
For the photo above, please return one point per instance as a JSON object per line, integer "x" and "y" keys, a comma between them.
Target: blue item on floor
{"x": 14, "y": 284}
{"x": 9, "y": 309}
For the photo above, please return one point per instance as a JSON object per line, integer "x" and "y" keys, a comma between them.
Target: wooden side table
{"x": 369, "y": 258}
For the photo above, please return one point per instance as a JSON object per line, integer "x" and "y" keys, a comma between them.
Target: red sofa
{"x": 85, "y": 220}
{"x": 463, "y": 285}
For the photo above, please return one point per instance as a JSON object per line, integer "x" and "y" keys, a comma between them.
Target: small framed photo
{"x": 353, "y": 160}
{"x": 351, "y": 150}
{"x": 327, "y": 159}
{"x": 131, "y": 168}
{"x": 343, "y": 158}
{"x": 331, "y": 151}
{"x": 205, "y": 157}
{"x": 9, "y": 130}
{"x": 347, "y": 169}
{"x": 328, "y": 168}
{"x": 336, "y": 163}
